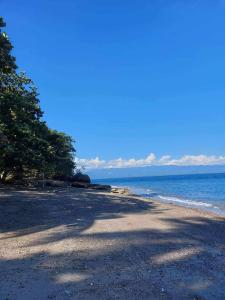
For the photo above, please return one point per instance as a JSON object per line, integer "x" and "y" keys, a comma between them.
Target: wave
{"x": 185, "y": 201}
{"x": 149, "y": 193}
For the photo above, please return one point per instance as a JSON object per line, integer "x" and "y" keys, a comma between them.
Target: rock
{"x": 79, "y": 177}
{"x": 120, "y": 191}
{"x": 86, "y": 185}
{"x": 83, "y": 185}
{"x": 55, "y": 183}
{"x": 100, "y": 187}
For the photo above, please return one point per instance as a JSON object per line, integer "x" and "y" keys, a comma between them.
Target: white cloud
{"x": 92, "y": 163}
{"x": 151, "y": 160}
{"x": 198, "y": 160}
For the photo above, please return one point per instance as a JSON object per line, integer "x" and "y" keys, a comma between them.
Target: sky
{"x": 135, "y": 83}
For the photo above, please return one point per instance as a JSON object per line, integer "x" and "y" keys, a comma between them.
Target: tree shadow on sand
{"x": 71, "y": 260}
{"x": 24, "y": 212}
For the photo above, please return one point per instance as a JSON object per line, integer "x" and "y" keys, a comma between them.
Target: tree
{"x": 21, "y": 125}
{"x": 27, "y": 146}
{"x": 61, "y": 160}
{"x": 7, "y": 61}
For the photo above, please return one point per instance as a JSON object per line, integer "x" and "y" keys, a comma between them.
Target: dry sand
{"x": 82, "y": 244}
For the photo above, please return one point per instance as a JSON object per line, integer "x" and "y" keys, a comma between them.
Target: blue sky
{"x": 127, "y": 78}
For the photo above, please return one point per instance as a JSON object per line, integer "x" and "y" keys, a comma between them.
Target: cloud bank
{"x": 151, "y": 160}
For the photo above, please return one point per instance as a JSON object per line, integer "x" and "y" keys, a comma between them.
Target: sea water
{"x": 205, "y": 191}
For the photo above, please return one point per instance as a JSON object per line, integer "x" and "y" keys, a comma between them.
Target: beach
{"x": 201, "y": 191}
{"x": 86, "y": 244}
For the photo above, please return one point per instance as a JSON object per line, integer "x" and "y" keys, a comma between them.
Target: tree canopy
{"x": 28, "y": 147}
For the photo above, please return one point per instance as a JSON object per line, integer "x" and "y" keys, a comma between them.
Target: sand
{"x": 83, "y": 244}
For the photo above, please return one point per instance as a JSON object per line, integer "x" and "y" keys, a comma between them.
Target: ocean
{"x": 204, "y": 191}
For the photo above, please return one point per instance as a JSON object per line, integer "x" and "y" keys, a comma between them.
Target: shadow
{"x": 70, "y": 244}
{"x": 24, "y": 212}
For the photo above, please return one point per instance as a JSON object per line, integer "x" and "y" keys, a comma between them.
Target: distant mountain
{"x": 154, "y": 171}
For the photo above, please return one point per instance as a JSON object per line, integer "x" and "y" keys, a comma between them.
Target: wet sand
{"x": 83, "y": 244}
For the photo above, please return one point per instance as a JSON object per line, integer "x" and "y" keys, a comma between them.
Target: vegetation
{"x": 28, "y": 148}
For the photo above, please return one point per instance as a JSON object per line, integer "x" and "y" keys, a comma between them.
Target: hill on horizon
{"x": 153, "y": 171}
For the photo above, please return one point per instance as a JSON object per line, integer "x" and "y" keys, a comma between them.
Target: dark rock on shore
{"x": 100, "y": 187}
{"x": 55, "y": 183}
{"x": 79, "y": 177}
{"x": 91, "y": 186}
{"x": 83, "y": 185}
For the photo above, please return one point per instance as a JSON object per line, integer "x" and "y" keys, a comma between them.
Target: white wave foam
{"x": 189, "y": 202}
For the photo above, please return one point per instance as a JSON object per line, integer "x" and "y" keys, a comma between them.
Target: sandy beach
{"x": 84, "y": 244}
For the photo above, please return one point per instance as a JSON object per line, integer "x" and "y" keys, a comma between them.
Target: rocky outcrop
{"x": 100, "y": 187}
{"x": 79, "y": 177}
{"x": 91, "y": 186}
{"x": 83, "y": 185}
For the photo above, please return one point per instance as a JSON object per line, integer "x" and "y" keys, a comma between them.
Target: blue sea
{"x": 205, "y": 191}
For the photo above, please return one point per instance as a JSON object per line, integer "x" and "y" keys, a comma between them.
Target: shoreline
{"x": 200, "y": 210}
{"x": 213, "y": 210}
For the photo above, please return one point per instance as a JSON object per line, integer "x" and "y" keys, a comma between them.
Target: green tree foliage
{"x": 7, "y": 61}
{"x": 61, "y": 159}
{"x": 27, "y": 146}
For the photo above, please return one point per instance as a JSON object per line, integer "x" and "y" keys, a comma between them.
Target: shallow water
{"x": 206, "y": 191}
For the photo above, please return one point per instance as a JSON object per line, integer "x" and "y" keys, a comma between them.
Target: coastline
{"x": 75, "y": 243}
{"x": 200, "y": 210}
{"x": 188, "y": 204}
